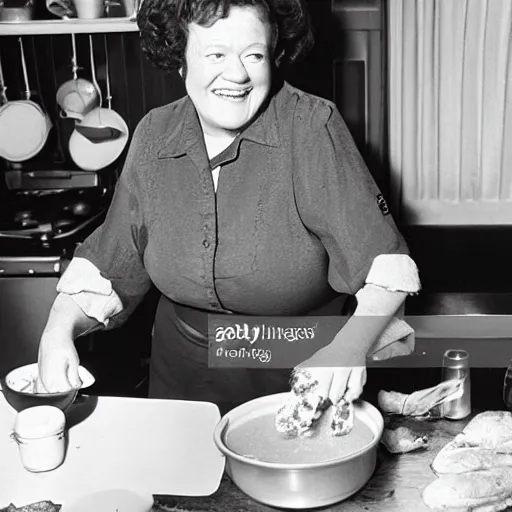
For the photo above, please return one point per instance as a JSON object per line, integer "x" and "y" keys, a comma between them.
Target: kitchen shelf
{"x": 74, "y": 26}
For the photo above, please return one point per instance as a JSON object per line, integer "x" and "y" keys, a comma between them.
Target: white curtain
{"x": 450, "y": 100}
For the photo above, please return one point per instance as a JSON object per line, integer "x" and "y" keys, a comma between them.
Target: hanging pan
{"x": 100, "y": 138}
{"x": 24, "y": 126}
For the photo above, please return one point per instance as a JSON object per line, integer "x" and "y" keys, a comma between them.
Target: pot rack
{"x": 71, "y": 26}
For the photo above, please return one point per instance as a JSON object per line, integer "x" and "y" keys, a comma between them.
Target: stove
{"x": 42, "y": 214}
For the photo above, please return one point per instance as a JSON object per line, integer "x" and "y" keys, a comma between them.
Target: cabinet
{"x": 347, "y": 66}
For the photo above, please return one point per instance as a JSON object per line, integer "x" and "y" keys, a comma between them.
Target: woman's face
{"x": 229, "y": 70}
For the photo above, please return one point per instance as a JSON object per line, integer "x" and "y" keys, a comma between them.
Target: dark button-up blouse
{"x": 296, "y": 219}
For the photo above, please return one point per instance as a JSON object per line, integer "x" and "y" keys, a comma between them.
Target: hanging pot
{"x": 76, "y": 97}
{"x": 100, "y": 138}
{"x": 24, "y": 126}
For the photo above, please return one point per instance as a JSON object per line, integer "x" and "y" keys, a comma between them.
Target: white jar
{"x": 40, "y": 434}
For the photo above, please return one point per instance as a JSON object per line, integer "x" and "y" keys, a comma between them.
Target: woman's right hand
{"x": 58, "y": 362}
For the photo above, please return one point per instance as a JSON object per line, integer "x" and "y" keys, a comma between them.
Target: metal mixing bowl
{"x": 299, "y": 486}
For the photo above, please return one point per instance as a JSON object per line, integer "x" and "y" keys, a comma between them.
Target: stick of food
{"x": 422, "y": 402}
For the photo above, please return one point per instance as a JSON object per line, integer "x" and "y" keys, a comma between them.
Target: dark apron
{"x": 179, "y": 360}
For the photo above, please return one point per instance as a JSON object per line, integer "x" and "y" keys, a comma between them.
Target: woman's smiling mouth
{"x": 232, "y": 94}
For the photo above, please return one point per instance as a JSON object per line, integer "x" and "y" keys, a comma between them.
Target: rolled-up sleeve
{"x": 339, "y": 201}
{"x": 114, "y": 281}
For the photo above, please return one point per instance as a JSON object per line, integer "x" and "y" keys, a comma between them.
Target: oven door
{"x": 27, "y": 292}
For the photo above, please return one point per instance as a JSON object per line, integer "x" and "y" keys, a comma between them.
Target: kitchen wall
{"x": 347, "y": 65}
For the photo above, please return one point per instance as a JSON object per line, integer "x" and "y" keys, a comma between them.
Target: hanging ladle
{"x": 76, "y": 97}
{"x": 99, "y": 132}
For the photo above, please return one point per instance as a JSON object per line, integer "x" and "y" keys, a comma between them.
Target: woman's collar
{"x": 187, "y": 133}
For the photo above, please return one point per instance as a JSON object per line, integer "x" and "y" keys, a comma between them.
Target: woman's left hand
{"x": 337, "y": 383}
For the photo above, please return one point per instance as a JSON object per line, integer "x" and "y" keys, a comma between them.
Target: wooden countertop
{"x": 396, "y": 485}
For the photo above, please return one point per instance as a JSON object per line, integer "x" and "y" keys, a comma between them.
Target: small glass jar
{"x": 40, "y": 434}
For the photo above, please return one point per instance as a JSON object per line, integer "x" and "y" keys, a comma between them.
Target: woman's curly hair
{"x": 163, "y": 26}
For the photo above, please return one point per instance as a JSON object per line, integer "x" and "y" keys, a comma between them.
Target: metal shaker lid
{"x": 456, "y": 358}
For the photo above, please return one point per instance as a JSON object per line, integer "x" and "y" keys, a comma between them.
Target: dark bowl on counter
{"x": 17, "y": 388}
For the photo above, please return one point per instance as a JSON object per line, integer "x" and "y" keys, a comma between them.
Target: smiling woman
{"x": 246, "y": 197}
{"x": 164, "y": 27}
{"x": 228, "y": 77}
{"x": 226, "y": 52}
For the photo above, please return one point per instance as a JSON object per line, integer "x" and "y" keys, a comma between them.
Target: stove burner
{"x": 80, "y": 208}
{"x": 23, "y": 215}
{"x": 24, "y": 219}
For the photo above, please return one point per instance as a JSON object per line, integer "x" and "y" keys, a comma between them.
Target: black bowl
{"x": 15, "y": 383}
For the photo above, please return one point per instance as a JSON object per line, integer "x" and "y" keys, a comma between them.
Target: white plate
{"x": 149, "y": 446}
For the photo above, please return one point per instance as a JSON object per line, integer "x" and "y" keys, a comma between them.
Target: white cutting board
{"x": 146, "y": 445}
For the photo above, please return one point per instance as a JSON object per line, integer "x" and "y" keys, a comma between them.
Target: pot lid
{"x": 23, "y": 131}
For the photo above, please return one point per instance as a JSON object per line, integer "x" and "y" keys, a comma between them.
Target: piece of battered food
{"x": 40, "y": 506}
{"x": 297, "y": 416}
{"x": 486, "y": 490}
{"x": 305, "y": 407}
{"x": 403, "y": 440}
{"x": 475, "y": 468}
{"x": 342, "y": 418}
{"x": 464, "y": 460}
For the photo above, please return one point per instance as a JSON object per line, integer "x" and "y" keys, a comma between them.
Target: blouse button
{"x": 206, "y": 243}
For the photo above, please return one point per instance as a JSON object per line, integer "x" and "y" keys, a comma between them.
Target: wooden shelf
{"x": 74, "y": 26}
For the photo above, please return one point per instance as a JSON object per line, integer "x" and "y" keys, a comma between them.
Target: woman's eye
{"x": 255, "y": 57}
{"x": 215, "y": 56}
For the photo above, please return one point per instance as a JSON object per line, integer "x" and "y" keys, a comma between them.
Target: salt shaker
{"x": 40, "y": 434}
{"x": 456, "y": 366}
